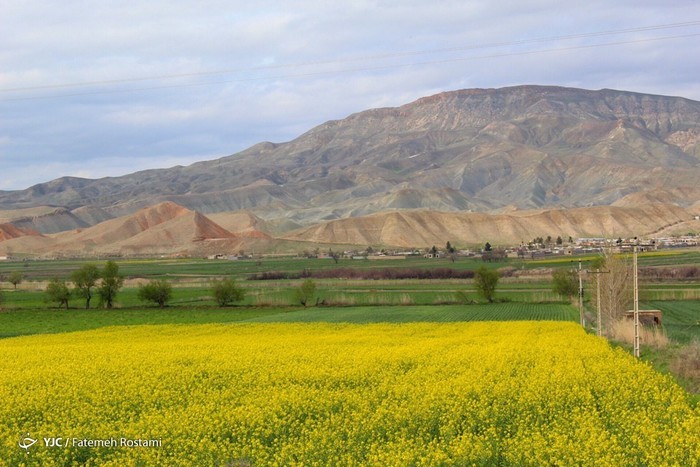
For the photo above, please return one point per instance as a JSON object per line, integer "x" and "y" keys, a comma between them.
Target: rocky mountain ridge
{"x": 478, "y": 149}
{"x": 488, "y": 151}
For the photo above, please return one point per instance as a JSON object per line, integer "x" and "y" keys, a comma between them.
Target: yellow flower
{"x": 527, "y": 393}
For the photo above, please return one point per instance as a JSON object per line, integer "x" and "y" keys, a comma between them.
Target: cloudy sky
{"x": 100, "y": 88}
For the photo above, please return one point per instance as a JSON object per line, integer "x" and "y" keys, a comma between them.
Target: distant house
{"x": 220, "y": 256}
{"x": 4, "y": 258}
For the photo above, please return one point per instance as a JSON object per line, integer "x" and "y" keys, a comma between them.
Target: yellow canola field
{"x": 506, "y": 393}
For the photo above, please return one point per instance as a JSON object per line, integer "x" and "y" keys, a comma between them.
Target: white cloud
{"x": 291, "y": 65}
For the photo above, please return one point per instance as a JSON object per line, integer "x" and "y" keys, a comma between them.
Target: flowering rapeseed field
{"x": 525, "y": 393}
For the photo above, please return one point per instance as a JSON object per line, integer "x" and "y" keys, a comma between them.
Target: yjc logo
{"x": 27, "y": 442}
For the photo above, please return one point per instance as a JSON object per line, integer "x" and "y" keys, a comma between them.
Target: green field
{"x": 352, "y": 300}
{"x": 193, "y": 268}
{"x": 404, "y": 314}
{"x": 681, "y": 319}
{"x": 37, "y": 321}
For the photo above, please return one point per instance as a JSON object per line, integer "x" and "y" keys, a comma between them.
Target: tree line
{"x": 106, "y": 283}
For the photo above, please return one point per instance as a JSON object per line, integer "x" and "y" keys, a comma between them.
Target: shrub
{"x": 368, "y": 274}
{"x": 226, "y": 292}
{"x": 157, "y": 291}
{"x": 565, "y": 283}
{"x": 58, "y": 291}
{"x": 677, "y": 272}
{"x": 485, "y": 281}
{"x": 305, "y": 292}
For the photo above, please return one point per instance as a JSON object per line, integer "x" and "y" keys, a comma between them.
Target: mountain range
{"x": 507, "y": 164}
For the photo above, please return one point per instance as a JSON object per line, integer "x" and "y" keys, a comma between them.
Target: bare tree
{"x": 615, "y": 286}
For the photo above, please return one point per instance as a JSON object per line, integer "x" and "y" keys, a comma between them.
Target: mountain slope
{"x": 164, "y": 228}
{"x": 426, "y": 228}
{"x": 9, "y": 232}
{"x": 479, "y": 149}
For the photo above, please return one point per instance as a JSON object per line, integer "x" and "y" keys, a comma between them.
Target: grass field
{"x": 202, "y": 268}
{"x": 681, "y": 319}
{"x": 518, "y": 393}
{"x": 23, "y": 322}
{"x": 41, "y": 321}
{"x": 333, "y": 291}
{"x": 406, "y": 314}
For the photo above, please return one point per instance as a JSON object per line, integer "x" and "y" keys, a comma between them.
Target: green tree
{"x": 487, "y": 247}
{"x": 110, "y": 285}
{"x": 157, "y": 291}
{"x": 58, "y": 291}
{"x": 560, "y": 240}
{"x": 15, "y": 278}
{"x": 305, "y": 292}
{"x": 565, "y": 283}
{"x": 226, "y": 291}
{"x": 84, "y": 279}
{"x": 485, "y": 281}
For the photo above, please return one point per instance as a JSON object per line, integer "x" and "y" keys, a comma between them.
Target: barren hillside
{"x": 427, "y": 228}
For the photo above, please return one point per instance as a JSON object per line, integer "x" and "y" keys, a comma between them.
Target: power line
{"x": 346, "y": 70}
{"x": 361, "y": 58}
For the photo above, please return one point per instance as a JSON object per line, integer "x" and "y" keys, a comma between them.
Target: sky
{"x": 97, "y": 88}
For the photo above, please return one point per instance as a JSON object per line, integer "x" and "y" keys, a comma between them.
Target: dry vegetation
{"x": 686, "y": 365}
{"x": 651, "y": 336}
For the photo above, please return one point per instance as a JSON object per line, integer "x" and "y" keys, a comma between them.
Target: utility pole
{"x": 580, "y": 296}
{"x": 597, "y": 272}
{"x": 636, "y": 305}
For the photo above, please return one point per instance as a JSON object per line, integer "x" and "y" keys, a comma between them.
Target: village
{"x": 536, "y": 248}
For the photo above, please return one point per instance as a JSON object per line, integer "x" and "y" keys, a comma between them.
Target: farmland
{"x": 373, "y": 372}
{"x": 330, "y": 394}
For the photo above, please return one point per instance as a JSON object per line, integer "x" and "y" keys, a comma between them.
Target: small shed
{"x": 648, "y": 317}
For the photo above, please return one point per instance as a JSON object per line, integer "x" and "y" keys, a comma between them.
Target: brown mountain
{"x": 479, "y": 149}
{"x": 9, "y": 231}
{"x": 425, "y": 228}
{"x": 541, "y": 160}
{"x": 164, "y": 228}
{"x": 168, "y": 228}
